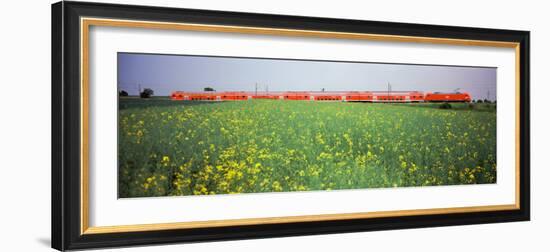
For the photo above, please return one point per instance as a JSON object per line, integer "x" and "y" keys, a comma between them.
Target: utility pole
{"x": 256, "y": 89}
{"x": 389, "y": 90}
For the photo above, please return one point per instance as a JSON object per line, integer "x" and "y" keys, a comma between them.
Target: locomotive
{"x": 344, "y": 96}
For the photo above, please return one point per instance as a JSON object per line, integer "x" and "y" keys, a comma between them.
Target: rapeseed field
{"x": 199, "y": 148}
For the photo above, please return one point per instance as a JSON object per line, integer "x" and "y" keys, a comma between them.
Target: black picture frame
{"x": 66, "y": 134}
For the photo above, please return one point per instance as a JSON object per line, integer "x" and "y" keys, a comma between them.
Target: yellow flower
{"x": 277, "y": 186}
{"x": 165, "y": 160}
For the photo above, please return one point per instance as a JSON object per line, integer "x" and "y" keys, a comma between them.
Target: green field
{"x": 191, "y": 148}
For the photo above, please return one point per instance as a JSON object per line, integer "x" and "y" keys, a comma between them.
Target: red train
{"x": 346, "y": 96}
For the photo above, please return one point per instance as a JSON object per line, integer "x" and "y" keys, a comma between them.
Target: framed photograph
{"x": 180, "y": 125}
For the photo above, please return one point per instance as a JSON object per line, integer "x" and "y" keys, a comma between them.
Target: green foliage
{"x": 146, "y": 93}
{"x": 445, "y": 105}
{"x": 194, "y": 148}
{"x": 123, "y": 93}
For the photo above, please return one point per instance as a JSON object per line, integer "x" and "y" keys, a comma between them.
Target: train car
{"x": 178, "y": 96}
{"x": 203, "y": 97}
{"x": 195, "y": 96}
{"x": 266, "y": 97}
{"x": 328, "y": 96}
{"x": 447, "y": 97}
{"x": 416, "y": 96}
{"x": 297, "y": 96}
{"x": 234, "y": 96}
{"x": 358, "y": 96}
{"x": 397, "y": 96}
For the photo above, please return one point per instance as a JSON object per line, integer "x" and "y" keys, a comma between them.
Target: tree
{"x": 479, "y": 101}
{"x": 209, "y": 89}
{"x": 122, "y": 93}
{"x": 146, "y": 93}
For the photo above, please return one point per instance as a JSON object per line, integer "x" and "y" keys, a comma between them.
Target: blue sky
{"x": 167, "y": 73}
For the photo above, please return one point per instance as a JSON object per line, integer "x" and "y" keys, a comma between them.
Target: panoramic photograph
{"x": 210, "y": 125}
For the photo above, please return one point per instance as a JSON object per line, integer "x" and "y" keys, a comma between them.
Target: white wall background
{"x": 25, "y": 125}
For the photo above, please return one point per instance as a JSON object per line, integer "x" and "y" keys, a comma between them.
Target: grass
{"x": 487, "y": 107}
{"x": 194, "y": 148}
